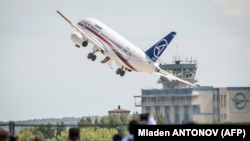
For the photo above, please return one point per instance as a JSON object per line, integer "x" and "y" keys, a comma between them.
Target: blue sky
{"x": 43, "y": 75}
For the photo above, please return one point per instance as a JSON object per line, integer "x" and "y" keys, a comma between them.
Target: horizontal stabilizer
{"x": 171, "y": 77}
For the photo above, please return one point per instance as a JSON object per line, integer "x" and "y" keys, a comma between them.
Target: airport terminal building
{"x": 182, "y": 104}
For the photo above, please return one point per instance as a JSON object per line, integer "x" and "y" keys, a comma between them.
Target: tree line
{"x": 91, "y": 130}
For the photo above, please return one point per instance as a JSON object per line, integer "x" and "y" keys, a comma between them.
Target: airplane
{"x": 116, "y": 48}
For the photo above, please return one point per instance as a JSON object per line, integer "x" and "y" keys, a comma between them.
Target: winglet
{"x": 73, "y": 25}
{"x": 93, "y": 41}
{"x": 64, "y": 17}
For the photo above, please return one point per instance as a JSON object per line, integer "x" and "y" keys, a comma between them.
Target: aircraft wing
{"x": 171, "y": 77}
{"x": 93, "y": 41}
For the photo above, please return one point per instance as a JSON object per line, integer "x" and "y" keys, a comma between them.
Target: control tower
{"x": 184, "y": 69}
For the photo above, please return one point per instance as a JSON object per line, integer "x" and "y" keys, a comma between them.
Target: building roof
{"x": 119, "y": 110}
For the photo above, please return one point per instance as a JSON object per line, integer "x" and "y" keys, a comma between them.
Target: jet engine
{"x": 78, "y": 39}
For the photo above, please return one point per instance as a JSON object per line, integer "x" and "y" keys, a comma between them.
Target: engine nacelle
{"x": 77, "y": 39}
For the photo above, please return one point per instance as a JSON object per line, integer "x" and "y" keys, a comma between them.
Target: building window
{"x": 167, "y": 114}
{"x": 168, "y": 100}
{"x": 153, "y": 99}
{"x": 221, "y": 100}
{"x": 176, "y": 115}
{"x": 148, "y": 109}
{"x": 225, "y": 101}
{"x": 189, "y": 99}
{"x": 186, "y": 114}
{"x": 173, "y": 99}
{"x": 157, "y": 110}
{"x": 161, "y": 99}
{"x": 196, "y": 109}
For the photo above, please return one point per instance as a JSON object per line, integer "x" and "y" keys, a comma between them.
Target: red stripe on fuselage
{"x": 110, "y": 44}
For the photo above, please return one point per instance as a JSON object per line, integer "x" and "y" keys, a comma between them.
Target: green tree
{"x": 25, "y": 133}
{"x": 60, "y": 127}
{"x": 48, "y": 130}
{"x": 122, "y": 130}
{"x": 85, "y": 122}
{"x": 89, "y": 121}
{"x": 97, "y": 134}
{"x": 104, "y": 120}
{"x": 50, "y": 133}
{"x": 160, "y": 119}
{"x": 62, "y": 137}
{"x": 114, "y": 120}
{"x": 38, "y": 133}
{"x": 96, "y": 122}
{"x": 134, "y": 115}
{"x": 125, "y": 119}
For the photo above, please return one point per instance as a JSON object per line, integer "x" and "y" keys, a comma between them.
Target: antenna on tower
{"x": 177, "y": 58}
{"x": 176, "y": 49}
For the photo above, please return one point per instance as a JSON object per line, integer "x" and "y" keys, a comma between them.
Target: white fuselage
{"x": 118, "y": 48}
{"x": 126, "y": 55}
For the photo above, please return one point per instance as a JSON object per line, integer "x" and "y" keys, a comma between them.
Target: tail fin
{"x": 157, "y": 49}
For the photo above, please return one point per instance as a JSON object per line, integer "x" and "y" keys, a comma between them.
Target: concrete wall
{"x": 239, "y": 105}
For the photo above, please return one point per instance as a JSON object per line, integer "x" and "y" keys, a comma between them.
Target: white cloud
{"x": 234, "y": 7}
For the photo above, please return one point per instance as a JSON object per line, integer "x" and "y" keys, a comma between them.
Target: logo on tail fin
{"x": 159, "y": 48}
